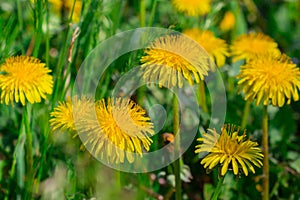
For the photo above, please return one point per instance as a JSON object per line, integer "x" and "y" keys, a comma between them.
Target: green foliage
{"x": 63, "y": 171}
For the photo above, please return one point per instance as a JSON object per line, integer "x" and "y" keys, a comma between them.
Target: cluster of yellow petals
{"x": 192, "y": 7}
{"x": 270, "y": 78}
{"x": 247, "y": 46}
{"x": 215, "y": 47}
{"x": 171, "y": 58}
{"x": 65, "y": 114}
{"x": 24, "y": 78}
{"x": 112, "y": 131}
{"x": 229, "y": 150}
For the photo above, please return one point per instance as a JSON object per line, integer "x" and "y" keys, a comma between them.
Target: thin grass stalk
{"x": 47, "y": 35}
{"x": 44, "y": 152}
{"x": 265, "y": 193}
{"x": 38, "y": 33}
{"x": 141, "y": 90}
{"x": 20, "y": 22}
{"x": 152, "y": 14}
{"x": 45, "y": 143}
{"x": 62, "y": 59}
{"x": 12, "y": 171}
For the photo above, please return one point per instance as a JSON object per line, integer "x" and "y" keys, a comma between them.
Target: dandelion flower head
{"x": 171, "y": 58}
{"x": 215, "y": 47}
{"x": 64, "y": 115}
{"x": 24, "y": 78}
{"x": 270, "y": 78}
{"x": 247, "y": 46}
{"x": 228, "y": 22}
{"x": 229, "y": 150}
{"x": 121, "y": 130}
{"x": 192, "y": 7}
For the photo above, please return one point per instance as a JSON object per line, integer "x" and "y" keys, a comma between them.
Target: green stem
{"x": 203, "y": 96}
{"x": 60, "y": 65}
{"x": 142, "y": 13}
{"x": 230, "y": 84}
{"x": 59, "y": 70}
{"x": 46, "y": 130}
{"x": 177, "y": 147}
{"x": 152, "y": 13}
{"x": 20, "y": 176}
{"x": 72, "y": 11}
{"x": 118, "y": 180}
{"x": 47, "y": 36}
{"x": 20, "y": 21}
{"x": 265, "y": 194}
{"x": 218, "y": 188}
{"x": 245, "y": 115}
{"x": 38, "y": 34}
{"x": 29, "y": 155}
{"x": 45, "y": 151}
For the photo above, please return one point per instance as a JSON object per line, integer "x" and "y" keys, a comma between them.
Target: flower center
{"x": 231, "y": 147}
{"x": 273, "y": 73}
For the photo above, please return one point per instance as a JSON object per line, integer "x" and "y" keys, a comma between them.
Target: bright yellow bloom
{"x": 24, "y": 78}
{"x": 228, "y": 21}
{"x": 229, "y": 150}
{"x": 192, "y": 7}
{"x": 120, "y": 129}
{"x": 68, "y": 4}
{"x": 64, "y": 115}
{"x": 171, "y": 58}
{"x": 215, "y": 47}
{"x": 249, "y": 45}
{"x": 270, "y": 78}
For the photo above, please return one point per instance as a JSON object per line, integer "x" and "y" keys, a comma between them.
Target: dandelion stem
{"x": 177, "y": 147}
{"x": 218, "y": 188}
{"x": 118, "y": 180}
{"x": 29, "y": 155}
{"x": 203, "y": 97}
{"x": 265, "y": 194}
{"x": 245, "y": 115}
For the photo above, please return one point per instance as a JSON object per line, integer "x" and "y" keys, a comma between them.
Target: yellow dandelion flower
{"x": 228, "y": 22}
{"x": 24, "y": 78}
{"x": 121, "y": 130}
{"x": 192, "y": 7}
{"x": 215, "y": 47}
{"x": 172, "y": 57}
{"x": 249, "y": 45}
{"x": 64, "y": 115}
{"x": 270, "y": 78}
{"x": 229, "y": 150}
{"x": 68, "y": 5}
